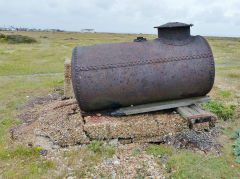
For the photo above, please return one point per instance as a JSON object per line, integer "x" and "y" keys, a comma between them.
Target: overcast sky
{"x": 210, "y": 17}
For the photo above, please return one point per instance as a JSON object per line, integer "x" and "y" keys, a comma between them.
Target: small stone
{"x": 55, "y": 147}
{"x": 116, "y": 162}
{"x": 41, "y": 118}
{"x": 37, "y": 132}
{"x": 108, "y": 162}
{"x": 113, "y": 142}
{"x": 82, "y": 146}
{"x": 87, "y": 117}
{"x": 99, "y": 114}
{"x": 71, "y": 177}
{"x": 43, "y": 152}
{"x": 164, "y": 156}
{"x": 113, "y": 174}
{"x": 69, "y": 169}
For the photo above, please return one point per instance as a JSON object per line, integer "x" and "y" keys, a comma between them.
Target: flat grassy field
{"x": 28, "y": 70}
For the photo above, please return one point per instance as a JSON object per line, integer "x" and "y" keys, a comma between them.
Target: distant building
{"x": 88, "y": 30}
{"x": 12, "y": 28}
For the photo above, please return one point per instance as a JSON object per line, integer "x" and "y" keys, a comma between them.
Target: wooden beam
{"x": 159, "y": 106}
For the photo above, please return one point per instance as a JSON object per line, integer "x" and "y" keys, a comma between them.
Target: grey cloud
{"x": 134, "y": 16}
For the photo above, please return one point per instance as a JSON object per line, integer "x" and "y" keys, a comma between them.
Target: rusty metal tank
{"x": 173, "y": 66}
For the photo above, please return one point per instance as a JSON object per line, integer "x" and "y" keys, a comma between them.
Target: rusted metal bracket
{"x": 195, "y": 114}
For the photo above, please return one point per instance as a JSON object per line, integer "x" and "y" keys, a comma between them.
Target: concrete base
{"x": 62, "y": 124}
{"x": 145, "y": 127}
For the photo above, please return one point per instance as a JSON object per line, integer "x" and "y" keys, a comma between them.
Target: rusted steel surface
{"x": 176, "y": 65}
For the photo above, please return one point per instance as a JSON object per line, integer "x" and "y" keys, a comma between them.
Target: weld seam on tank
{"x": 144, "y": 62}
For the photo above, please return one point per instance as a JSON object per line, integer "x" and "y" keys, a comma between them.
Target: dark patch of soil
{"x": 198, "y": 140}
{"x": 30, "y": 111}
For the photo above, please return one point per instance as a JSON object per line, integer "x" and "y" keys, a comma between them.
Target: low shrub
{"x": 236, "y": 145}
{"x": 223, "y": 111}
{"x": 14, "y": 39}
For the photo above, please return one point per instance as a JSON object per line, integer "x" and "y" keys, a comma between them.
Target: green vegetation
{"x": 86, "y": 158}
{"x": 236, "y": 145}
{"x": 136, "y": 152}
{"x": 188, "y": 164}
{"x": 18, "y": 161}
{"x": 220, "y": 109}
{"x": 235, "y": 135}
{"x": 15, "y": 39}
{"x": 224, "y": 94}
{"x": 20, "y": 152}
{"x": 24, "y": 159}
{"x": 98, "y": 148}
{"x": 157, "y": 150}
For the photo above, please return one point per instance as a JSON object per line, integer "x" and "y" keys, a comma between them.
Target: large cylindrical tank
{"x": 175, "y": 65}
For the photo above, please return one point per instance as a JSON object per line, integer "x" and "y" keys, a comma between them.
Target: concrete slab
{"x": 61, "y": 123}
{"x": 145, "y": 127}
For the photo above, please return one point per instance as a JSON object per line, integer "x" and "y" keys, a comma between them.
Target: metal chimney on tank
{"x": 174, "y": 31}
{"x": 175, "y": 65}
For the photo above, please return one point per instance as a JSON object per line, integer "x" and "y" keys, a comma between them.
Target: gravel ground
{"x": 127, "y": 165}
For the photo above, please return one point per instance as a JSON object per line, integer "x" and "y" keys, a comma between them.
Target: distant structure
{"x": 12, "y": 28}
{"x": 88, "y": 30}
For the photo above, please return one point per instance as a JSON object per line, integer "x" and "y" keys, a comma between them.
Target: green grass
{"x": 24, "y": 162}
{"x": 84, "y": 159}
{"x": 157, "y": 150}
{"x": 222, "y": 111}
{"x": 18, "y": 161}
{"x": 224, "y": 94}
{"x": 98, "y": 148}
{"x": 183, "y": 164}
{"x": 19, "y": 151}
{"x": 136, "y": 152}
{"x": 187, "y": 164}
